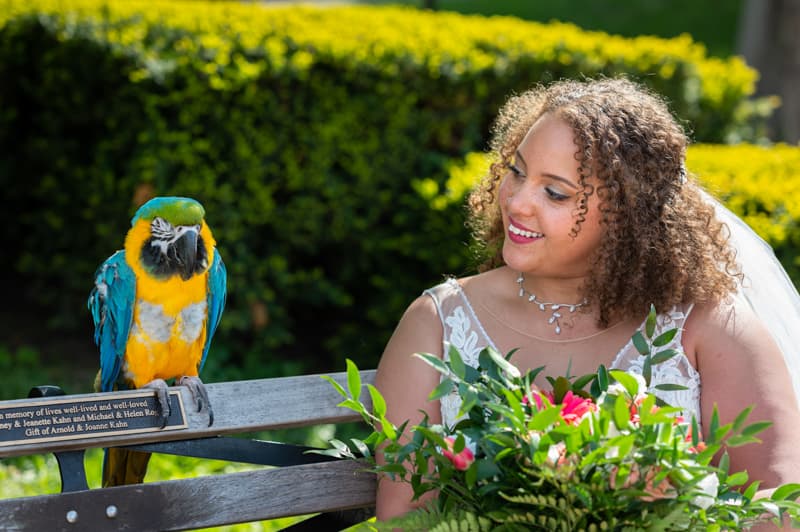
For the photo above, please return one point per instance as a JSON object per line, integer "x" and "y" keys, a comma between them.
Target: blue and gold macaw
{"x": 156, "y": 305}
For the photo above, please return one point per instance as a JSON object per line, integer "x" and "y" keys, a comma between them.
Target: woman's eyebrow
{"x": 564, "y": 180}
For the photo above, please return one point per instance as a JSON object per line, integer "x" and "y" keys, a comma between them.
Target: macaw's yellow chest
{"x": 169, "y": 329}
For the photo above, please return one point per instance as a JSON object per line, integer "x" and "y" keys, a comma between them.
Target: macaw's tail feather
{"x": 121, "y": 466}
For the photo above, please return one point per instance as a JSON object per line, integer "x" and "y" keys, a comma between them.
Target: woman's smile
{"x": 520, "y": 234}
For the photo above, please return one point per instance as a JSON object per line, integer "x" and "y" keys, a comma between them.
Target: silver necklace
{"x": 544, "y": 306}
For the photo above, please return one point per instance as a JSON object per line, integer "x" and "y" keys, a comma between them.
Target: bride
{"x": 588, "y": 218}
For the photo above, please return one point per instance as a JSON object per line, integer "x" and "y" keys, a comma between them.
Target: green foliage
{"x": 606, "y": 458}
{"x": 319, "y": 146}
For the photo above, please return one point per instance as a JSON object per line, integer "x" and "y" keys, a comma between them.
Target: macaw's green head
{"x": 174, "y": 245}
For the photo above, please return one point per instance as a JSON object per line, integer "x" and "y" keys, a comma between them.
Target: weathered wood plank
{"x": 198, "y": 502}
{"x": 239, "y": 407}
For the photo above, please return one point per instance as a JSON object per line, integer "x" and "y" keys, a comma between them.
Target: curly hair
{"x": 662, "y": 243}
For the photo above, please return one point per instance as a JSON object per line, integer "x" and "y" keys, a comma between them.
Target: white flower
{"x": 709, "y": 487}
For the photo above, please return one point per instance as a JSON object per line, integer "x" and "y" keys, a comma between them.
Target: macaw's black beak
{"x": 186, "y": 254}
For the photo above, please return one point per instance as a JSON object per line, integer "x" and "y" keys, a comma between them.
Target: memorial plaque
{"x": 70, "y": 418}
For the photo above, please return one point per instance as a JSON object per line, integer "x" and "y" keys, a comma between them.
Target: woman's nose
{"x": 521, "y": 199}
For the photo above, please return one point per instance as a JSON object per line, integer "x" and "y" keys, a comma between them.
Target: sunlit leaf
{"x": 378, "y": 402}
{"x": 456, "y": 363}
{"x": 353, "y": 379}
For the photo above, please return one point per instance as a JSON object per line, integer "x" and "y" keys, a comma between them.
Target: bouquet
{"x": 596, "y": 452}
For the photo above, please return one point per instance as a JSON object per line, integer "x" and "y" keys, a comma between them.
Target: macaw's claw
{"x": 200, "y": 395}
{"x": 160, "y": 386}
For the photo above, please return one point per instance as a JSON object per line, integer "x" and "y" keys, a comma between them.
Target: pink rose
{"x": 461, "y": 460}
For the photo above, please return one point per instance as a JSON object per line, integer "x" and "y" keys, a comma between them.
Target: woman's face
{"x": 539, "y": 203}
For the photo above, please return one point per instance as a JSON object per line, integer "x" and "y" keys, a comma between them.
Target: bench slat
{"x": 239, "y": 407}
{"x": 199, "y": 502}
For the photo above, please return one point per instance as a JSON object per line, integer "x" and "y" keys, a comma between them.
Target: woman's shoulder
{"x": 730, "y": 316}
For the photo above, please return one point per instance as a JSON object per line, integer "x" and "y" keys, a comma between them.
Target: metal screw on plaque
{"x": 72, "y": 516}
{"x": 111, "y": 511}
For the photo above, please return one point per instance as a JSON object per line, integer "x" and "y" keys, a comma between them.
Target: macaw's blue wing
{"x": 111, "y": 303}
{"x": 217, "y": 288}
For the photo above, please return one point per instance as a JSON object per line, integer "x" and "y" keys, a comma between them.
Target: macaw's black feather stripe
{"x": 165, "y": 265}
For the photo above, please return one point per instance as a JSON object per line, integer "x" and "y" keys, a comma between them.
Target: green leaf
{"x": 786, "y": 492}
{"x": 640, "y": 343}
{"x": 336, "y": 385}
{"x": 740, "y": 419}
{"x": 544, "y": 418}
{"x": 755, "y": 428}
{"x": 737, "y": 479}
{"x": 434, "y": 361}
{"x": 472, "y": 475}
{"x": 738, "y": 440}
{"x": 650, "y": 324}
{"x": 378, "y": 402}
{"x": 388, "y": 429}
{"x": 456, "y": 363}
{"x": 506, "y": 366}
{"x": 361, "y": 446}
{"x": 626, "y": 380}
{"x": 622, "y": 413}
{"x": 581, "y": 382}
{"x": 696, "y": 434}
{"x": 752, "y": 489}
{"x": 724, "y": 461}
{"x": 442, "y": 389}
{"x": 665, "y": 338}
{"x": 560, "y": 388}
{"x": 602, "y": 378}
{"x": 647, "y": 370}
{"x": 663, "y": 356}
{"x": 353, "y": 379}
{"x": 669, "y": 387}
{"x": 714, "y": 423}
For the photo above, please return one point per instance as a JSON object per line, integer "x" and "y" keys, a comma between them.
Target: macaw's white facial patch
{"x": 193, "y": 318}
{"x": 155, "y": 324}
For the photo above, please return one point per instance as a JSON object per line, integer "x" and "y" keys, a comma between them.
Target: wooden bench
{"x": 301, "y": 483}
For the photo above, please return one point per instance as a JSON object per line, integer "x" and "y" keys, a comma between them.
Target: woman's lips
{"x": 520, "y": 234}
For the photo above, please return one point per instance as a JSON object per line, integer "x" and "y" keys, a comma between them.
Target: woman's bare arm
{"x": 740, "y": 365}
{"x": 405, "y": 382}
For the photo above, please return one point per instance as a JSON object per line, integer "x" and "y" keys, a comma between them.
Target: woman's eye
{"x": 552, "y": 194}
{"x": 515, "y": 169}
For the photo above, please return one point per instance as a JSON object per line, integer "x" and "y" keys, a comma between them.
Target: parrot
{"x": 156, "y": 305}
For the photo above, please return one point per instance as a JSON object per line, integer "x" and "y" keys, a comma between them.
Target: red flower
{"x": 460, "y": 461}
{"x": 573, "y": 407}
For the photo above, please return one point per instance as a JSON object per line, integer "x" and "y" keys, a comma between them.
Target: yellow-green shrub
{"x": 315, "y": 137}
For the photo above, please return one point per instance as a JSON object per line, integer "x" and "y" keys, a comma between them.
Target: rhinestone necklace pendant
{"x": 545, "y": 306}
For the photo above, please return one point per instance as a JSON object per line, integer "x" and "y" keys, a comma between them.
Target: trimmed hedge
{"x": 317, "y": 139}
{"x": 758, "y": 183}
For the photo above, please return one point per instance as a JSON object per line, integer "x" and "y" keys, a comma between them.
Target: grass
{"x": 711, "y": 22}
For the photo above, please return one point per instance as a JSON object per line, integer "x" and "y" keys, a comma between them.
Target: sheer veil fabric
{"x": 767, "y": 288}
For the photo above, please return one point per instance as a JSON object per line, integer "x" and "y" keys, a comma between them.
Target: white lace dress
{"x": 463, "y": 330}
